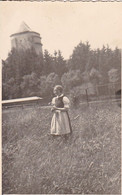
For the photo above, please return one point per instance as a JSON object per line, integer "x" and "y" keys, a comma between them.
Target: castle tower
{"x": 25, "y": 38}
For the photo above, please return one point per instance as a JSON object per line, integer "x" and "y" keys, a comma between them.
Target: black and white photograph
{"x": 61, "y": 97}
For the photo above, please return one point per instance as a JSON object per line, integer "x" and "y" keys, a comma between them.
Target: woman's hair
{"x": 59, "y": 87}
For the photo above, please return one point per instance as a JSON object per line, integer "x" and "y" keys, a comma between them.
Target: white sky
{"x": 62, "y": 25}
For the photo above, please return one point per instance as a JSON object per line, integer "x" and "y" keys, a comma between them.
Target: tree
{"x": 80, "y": 57}
{"x": 117, "y": 62}
{"x": 48, "y": 63}
{"x": 10, "y": 89}
{"x": 59, "y": 66}
{"x": 33, "y": 62}
{"x": 95, "y": 76}
{"x": 47, "y": 84}
{"x": 113, "y": 75}
{"x": 71, "y": 79}
{"x": 29, "y": 85}
{"x": 19, "y": 64}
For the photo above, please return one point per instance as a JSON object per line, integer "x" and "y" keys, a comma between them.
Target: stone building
{"x": 25, "y": 38}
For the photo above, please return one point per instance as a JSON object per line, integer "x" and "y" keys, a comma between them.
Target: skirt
{"x": 60, "y": 123}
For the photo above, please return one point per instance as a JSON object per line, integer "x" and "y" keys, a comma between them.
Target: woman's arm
{"x": 61, "y": 109}
{"x": 53, "y": 104}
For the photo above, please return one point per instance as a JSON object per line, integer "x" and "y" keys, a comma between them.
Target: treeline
{"x": 25, "y": 74}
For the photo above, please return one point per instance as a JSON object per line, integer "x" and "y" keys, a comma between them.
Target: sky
{"x": 62, "y": 25}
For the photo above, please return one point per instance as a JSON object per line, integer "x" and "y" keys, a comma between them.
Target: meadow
{"x": 88, "y": 162}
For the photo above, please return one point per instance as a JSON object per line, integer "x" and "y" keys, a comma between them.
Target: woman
{"x": 60, "y": 124}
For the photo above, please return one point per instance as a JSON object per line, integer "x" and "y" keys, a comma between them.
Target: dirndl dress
{"x": 60, "y": 123}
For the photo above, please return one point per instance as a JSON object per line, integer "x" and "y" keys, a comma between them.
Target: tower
{"x": 25, "y": 38}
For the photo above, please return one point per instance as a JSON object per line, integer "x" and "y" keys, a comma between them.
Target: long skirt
{"x": 60, "y": 123}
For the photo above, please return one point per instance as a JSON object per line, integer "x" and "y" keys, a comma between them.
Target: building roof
{"x": 21, "y": 100}
{"x": 24, "y": 28}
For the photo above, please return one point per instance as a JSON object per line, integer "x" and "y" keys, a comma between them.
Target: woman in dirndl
{"x": 60, "y": 124}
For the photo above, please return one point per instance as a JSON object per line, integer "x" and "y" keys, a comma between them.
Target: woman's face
{"x": 57, "y": 92}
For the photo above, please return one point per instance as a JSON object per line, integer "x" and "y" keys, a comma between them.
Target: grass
{"x": 87, "y": 163}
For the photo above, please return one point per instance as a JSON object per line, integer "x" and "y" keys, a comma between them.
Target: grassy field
{"x": 88, "y": 162}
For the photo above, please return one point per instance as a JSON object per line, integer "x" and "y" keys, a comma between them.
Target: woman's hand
{"x": 54, "y": 108}
{"x": 60, "y": 109}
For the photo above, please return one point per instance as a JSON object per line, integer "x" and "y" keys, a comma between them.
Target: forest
{"x": 26, "y": 74}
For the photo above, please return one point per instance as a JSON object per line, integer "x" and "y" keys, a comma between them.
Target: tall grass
{"x": 88, "y": 162}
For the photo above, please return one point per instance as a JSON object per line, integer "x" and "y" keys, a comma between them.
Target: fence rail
{"x": 110, "y": 91}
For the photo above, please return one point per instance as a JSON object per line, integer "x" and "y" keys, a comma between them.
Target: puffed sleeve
{"x": 66, "y": 102}
{"x": 53, "y": 101}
